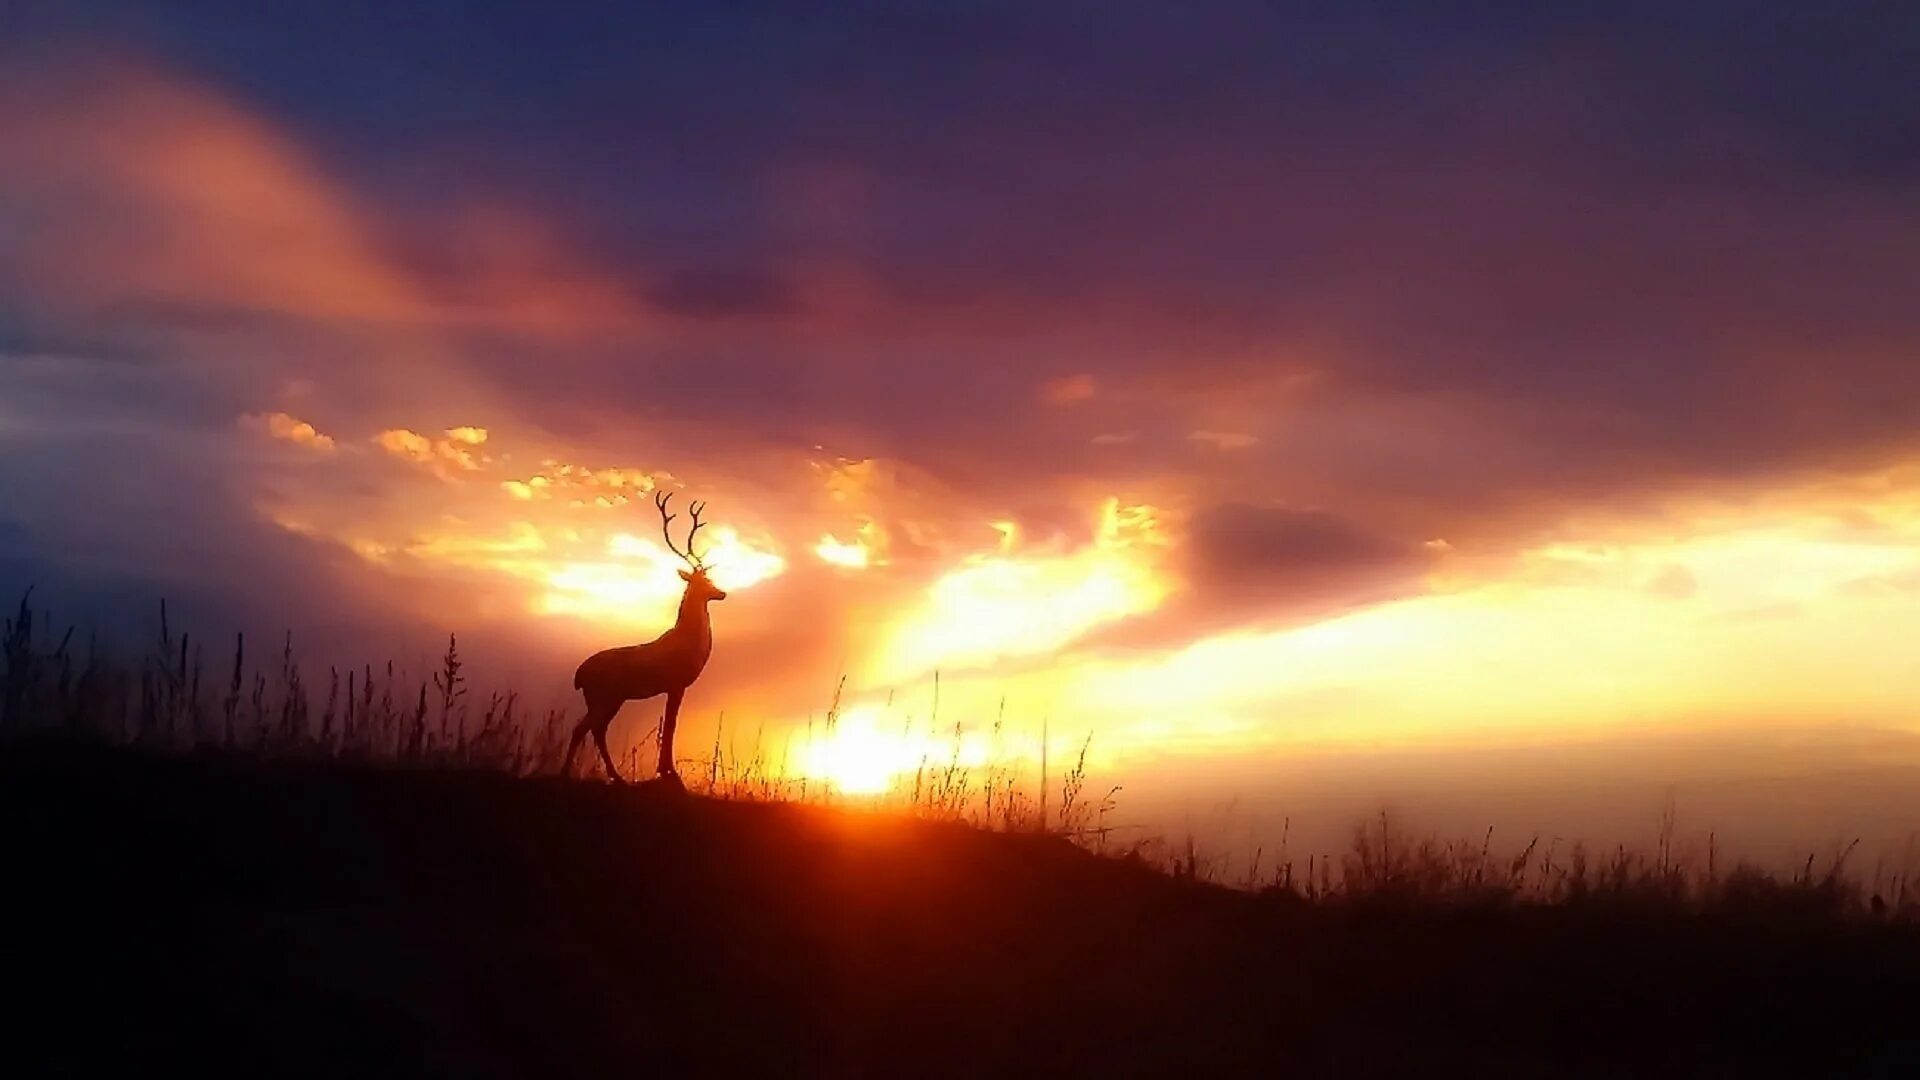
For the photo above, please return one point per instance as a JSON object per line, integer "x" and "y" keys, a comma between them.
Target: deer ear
{"x": 684, "y": 576}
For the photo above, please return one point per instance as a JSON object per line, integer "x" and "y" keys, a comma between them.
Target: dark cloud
{"x": 1242, "y": 564}
{"x": 1278, "y": 565}
{"x": 1274, "y": 554}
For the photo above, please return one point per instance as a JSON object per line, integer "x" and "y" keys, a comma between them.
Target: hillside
{"x": 281, "y": 918}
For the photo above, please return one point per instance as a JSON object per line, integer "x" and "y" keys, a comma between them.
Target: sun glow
{"x": 997, "y": 606}
{"x": 862, "y": 754}
{"x": 732, "y": 562}
{"x": 630, "y": 581}
{"x": 640, "y": 579}
{"x": 833, "y": 551}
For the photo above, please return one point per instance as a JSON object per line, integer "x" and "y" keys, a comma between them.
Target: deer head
{"x": 699, "y": 586}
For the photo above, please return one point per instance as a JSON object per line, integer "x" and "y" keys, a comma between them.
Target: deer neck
{"x": 693, "y": 620}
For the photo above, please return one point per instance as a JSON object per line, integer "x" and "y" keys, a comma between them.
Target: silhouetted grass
{"x": 56, "y": 684}
{"x": 378, "y": 714}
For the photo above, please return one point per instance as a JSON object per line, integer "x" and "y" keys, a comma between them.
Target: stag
{"x": 666, "y": 665}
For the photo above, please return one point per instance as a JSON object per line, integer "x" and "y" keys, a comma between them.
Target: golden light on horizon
{"x": 1576, "y": 637}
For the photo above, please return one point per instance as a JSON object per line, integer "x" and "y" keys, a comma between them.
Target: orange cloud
{"x": 286, "y": 428}
{"x": 152, "y": 192}
{"x": 455, "y": 453}
{"x": 403, "y": 443}
{"x": 583, "y": 486}
{"x": 210, "y": 204}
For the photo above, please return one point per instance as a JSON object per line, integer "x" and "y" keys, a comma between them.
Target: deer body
{"x": 666, "y": 665}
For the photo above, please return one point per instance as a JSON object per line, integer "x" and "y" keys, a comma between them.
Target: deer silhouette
{"x": 666, "y": 665}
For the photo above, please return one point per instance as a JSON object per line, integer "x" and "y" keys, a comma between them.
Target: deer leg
{"x": 573, "y": 747}
{"x": 597, "y": 716}
{"x": 600, "y": 741}
{"x": 667, "y": 724}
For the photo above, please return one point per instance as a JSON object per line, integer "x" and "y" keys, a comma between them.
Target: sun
{"x": 856, "y": 757}
{"x": 866, "y": 753}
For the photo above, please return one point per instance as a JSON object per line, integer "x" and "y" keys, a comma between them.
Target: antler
{"x": 693, "y": 511}
{"x": 693, "y": 559}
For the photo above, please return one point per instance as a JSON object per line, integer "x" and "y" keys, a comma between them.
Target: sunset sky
{"x": 1509, "y": 414}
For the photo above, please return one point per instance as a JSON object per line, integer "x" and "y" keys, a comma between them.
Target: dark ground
{"x": 274, "y": 919}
